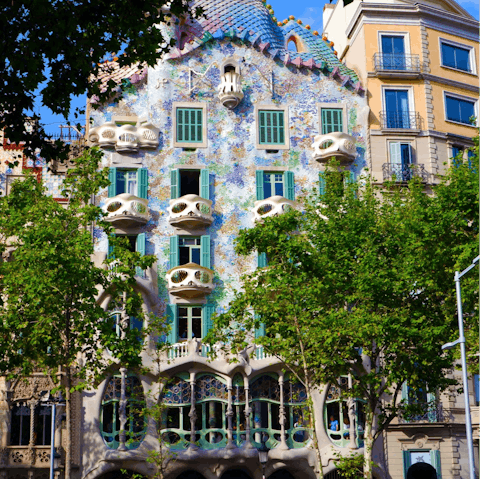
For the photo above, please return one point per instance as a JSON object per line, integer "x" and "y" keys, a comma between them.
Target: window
{"x": 275, "y": 183}
{"x": 21, "y": 422}
{"x": 393, "y": 52}
{"x": 187, "y": 322}
{"x": 455, "y": 56}
{"x": 423, "y": 403}
{"x": 401, "y": 157}
{"x": 134, "y": 323}
{"x": 190, "y": 249}
{"x": 460, "y": 109}
{"x": 111, "y": 413}
{"x": 189, "y": 182}
{"x": 272, "y": 131}
{"x": 135, "y": 243}
{"x": 133, "y": 182}
{"x": 190, "y": 125}
{"x": 336, "y": 182}
{"x": 332, "y": 117}
{"x": 426, "y": 456}
{"x": 397, "y": 113}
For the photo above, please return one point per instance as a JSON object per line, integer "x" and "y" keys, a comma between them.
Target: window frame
{"x": 329, "y": 106}
{"x": 286, "y": 127}
{"x": 460, "y": 98}
{"x": 387, "y": 33}
{"x": 454, "y": 44}
{"x": 192, "y": 105}
{"x": 401, "y": 141}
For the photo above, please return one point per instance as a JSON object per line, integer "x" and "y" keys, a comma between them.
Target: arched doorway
{"x": 119, "y": 475}
{"x": 235, "y": 474}
{"x": 281, "y": 474}
{"x": 190, "y": 475}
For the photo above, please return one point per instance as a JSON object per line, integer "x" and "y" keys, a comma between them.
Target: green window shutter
{"x": 436, "y": 462}
{"x": 432, "y": 407}
{"x": 112, "y": 187}
{"x": 174, "y": 184}
{"x": 207, "y": 312}
{"x": 405, "y": 391}
{"x": 406, "y": 463}
{"x": 174, "y": 252}
{"x": 332, "y": 120}
{"x": 189, "y": 125}
{"x": 289, "y": 186}
{"x": 111, "y": 253}
{"x": 142, "y": 182}
{"x": 349, "y": 179}
{"x": 205, "y": 251}
{"x": 262, "y": 260}
{"x": 205, "y": 184}
{"x": 322, "y": 184}
{"x": 259, "y": 181}
{"x": 260, "y": 331}
{"x": 271, "y": 127}
{"x": 140, "y": 248}
{"x": 172, "y": 318}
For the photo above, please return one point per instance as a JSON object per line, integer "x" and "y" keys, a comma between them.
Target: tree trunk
{"x": 68, "y": 410}
{"x": 368, "y": 446}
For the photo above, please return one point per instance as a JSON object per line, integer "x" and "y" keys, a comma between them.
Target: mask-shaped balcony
{"x": 126, "y": 210}
{"x": 335, "y": 144}
{"x": 273, "y": 206}
{"x": 125, "y": 138}
{"x": 190, "y": 281}
{"x": 230, "y": 89}
{"x": 190, "y": 211}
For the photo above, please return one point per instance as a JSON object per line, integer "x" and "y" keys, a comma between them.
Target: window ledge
{"x": 453, "y": 122}
{"x": 458, "y": 70}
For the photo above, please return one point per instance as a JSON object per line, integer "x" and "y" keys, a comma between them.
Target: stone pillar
{"x": 282, "y": 418}
{"x": 193, "y": 413}
{"x": 4, "y": 415}
{"x": 122, "y": 410}
{"x": 247, "y": 412}
{"x": 230, "y": 444}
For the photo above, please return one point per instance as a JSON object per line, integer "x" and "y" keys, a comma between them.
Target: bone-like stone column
{"x": 193, "y": 413}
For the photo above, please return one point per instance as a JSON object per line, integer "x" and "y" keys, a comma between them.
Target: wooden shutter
{"x": 111, "y": 251}
{"x": 172, "y": 318}
{"x": 432, "y": 407}
{"x": 205, "y": 251}
{"x": 406, "y": 462}
{"x": 332, "y": 120}
{"x": 189, "y": 125}
{"x": 142, "y": 182}
{"x": 174, "y": 252}
{"x": 436, "y": 462}
{"x": 322, "y": 184}
{"x": 262, "y": 260}
{"x": 112, "y": 187}
{"x": 271, "y": 127}
{"x": 395, "y": 153}
{"x": 140, "y": 248}
{"x": 207, "y": 323}
{"x": 260, "y": 331}
{"x": 205, "y": 184}
{"x": 174, "y": 184}
{"x": 259, "y": 181}
{"x": 289, "y": 185}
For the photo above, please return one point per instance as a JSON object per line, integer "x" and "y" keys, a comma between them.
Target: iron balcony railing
{"x": 398, "y": 172}
{"x": 431, "y": 413}
{"x": 396, "y": 62}
{"x": 400, "y": 120}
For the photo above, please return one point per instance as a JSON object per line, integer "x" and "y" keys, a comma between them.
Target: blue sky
{"x": 308, "y": 11}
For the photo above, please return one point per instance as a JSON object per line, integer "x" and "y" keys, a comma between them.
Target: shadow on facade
{"x": 190, "y": 475}
{"x": 235, "y": 474}
{"x": 281, "y": 474}
{"x": 121, "y": 474}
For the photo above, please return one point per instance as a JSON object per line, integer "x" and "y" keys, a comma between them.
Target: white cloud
{"x": 312, "y": 16}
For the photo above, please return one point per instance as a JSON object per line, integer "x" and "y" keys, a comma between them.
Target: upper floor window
{"x": 135, "y": 243}
{"x": 456, "y": 56}
{"x": 460, "y": 109}
{"x": 31, "y": 425}
{"x": 275, "y": 183}
{"x": 422, "y": 403}
{"x": 190, "y": 125}
{"x": 189, "y": 182}
{"x": 133, "y": 182}
{"x": 398, "y": 106}
{"x": 393, "y": 52}
{"x": 190, "y": 249}
{"x": 272, "y": 131}
{"x": 189, "y": 321}
{"x": 332, "y": 120}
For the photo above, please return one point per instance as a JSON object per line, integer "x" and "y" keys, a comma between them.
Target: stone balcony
{"x": 272, "y": 206}
{"x": 335, "y": 144}
{"x": 27, "y": 456}
{"x": 230, "y": 89}
{"x": 126, "y": 210}
{"x": 190, "y": 281}
{"x": 190, "y": 211}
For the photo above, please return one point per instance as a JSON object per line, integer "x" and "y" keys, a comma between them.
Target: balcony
{"x": 397, "y": 65}
{"x": 230, "y": 89}
{"x": 432, "y": 413}
{"x": 190, "y": 211}
{"x": 126, "y": 210}
{"x": 273, "y": 206}
{"x": 190, "y": 281}
{"x": 28, "y": 456}
{"x": 403, "y": 173}
{"x": 398, "y": 120}
{"x": 335, "y": 144}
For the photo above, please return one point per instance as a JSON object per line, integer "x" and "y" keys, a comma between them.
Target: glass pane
{"x": 195, "y": 255}
{"x": 131, "y": 179}
{"x": 182, "y": 327}
{"x": 448, "y": 55}
{"x": 108, "y": 410}
{"x": 453, "y": 112}
{"x": 173, "y": 418}
{"x": 196, "y": 327}
{"x": 267, "y": 186}
{"x": 467, "y": 110}
{"x": 462, "y": 59}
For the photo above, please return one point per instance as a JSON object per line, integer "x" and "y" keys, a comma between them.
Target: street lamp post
{"x": 263, "y": 455}
{"x": 461, "y": 341}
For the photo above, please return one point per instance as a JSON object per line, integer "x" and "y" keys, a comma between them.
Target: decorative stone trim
{"x": 190, "y": 281}
{"x": 337, "y": 144}
{"x": 272, "y": 206}
{"x": 190, "y": 211}
{"x": 126, "y": 210}
{"x": 230, "y": 89}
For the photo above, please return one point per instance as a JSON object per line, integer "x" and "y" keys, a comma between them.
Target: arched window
{"x": 265, "y": 392}
{"x": 295, "y": 44}
{"x": 337, "y": 418}
{"x": 211, "y": 402}
{"x": 176, "y": 423}
{"x": 110, "y": 418}
{"x": 238, "y": 406}
{"x": 296, "y": 413}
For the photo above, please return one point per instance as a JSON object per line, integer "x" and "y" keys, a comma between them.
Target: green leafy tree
{"x": 360, "y": 284}
{"x": 49, "y": 318}
{"x": 52, "y": 50}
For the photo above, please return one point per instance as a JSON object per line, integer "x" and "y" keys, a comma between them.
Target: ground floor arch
{"x": 190, "y": 475}
{"x": 235, "y": 474}
{"x": 282, "y": 474}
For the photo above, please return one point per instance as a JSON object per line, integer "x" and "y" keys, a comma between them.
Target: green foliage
{"x": 351, "y": 466}
{"x": 53, "y": 50}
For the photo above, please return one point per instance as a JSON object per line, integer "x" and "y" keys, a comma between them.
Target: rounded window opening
{"x": 294, "y": 44}
{"x": 229, "y": 69}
